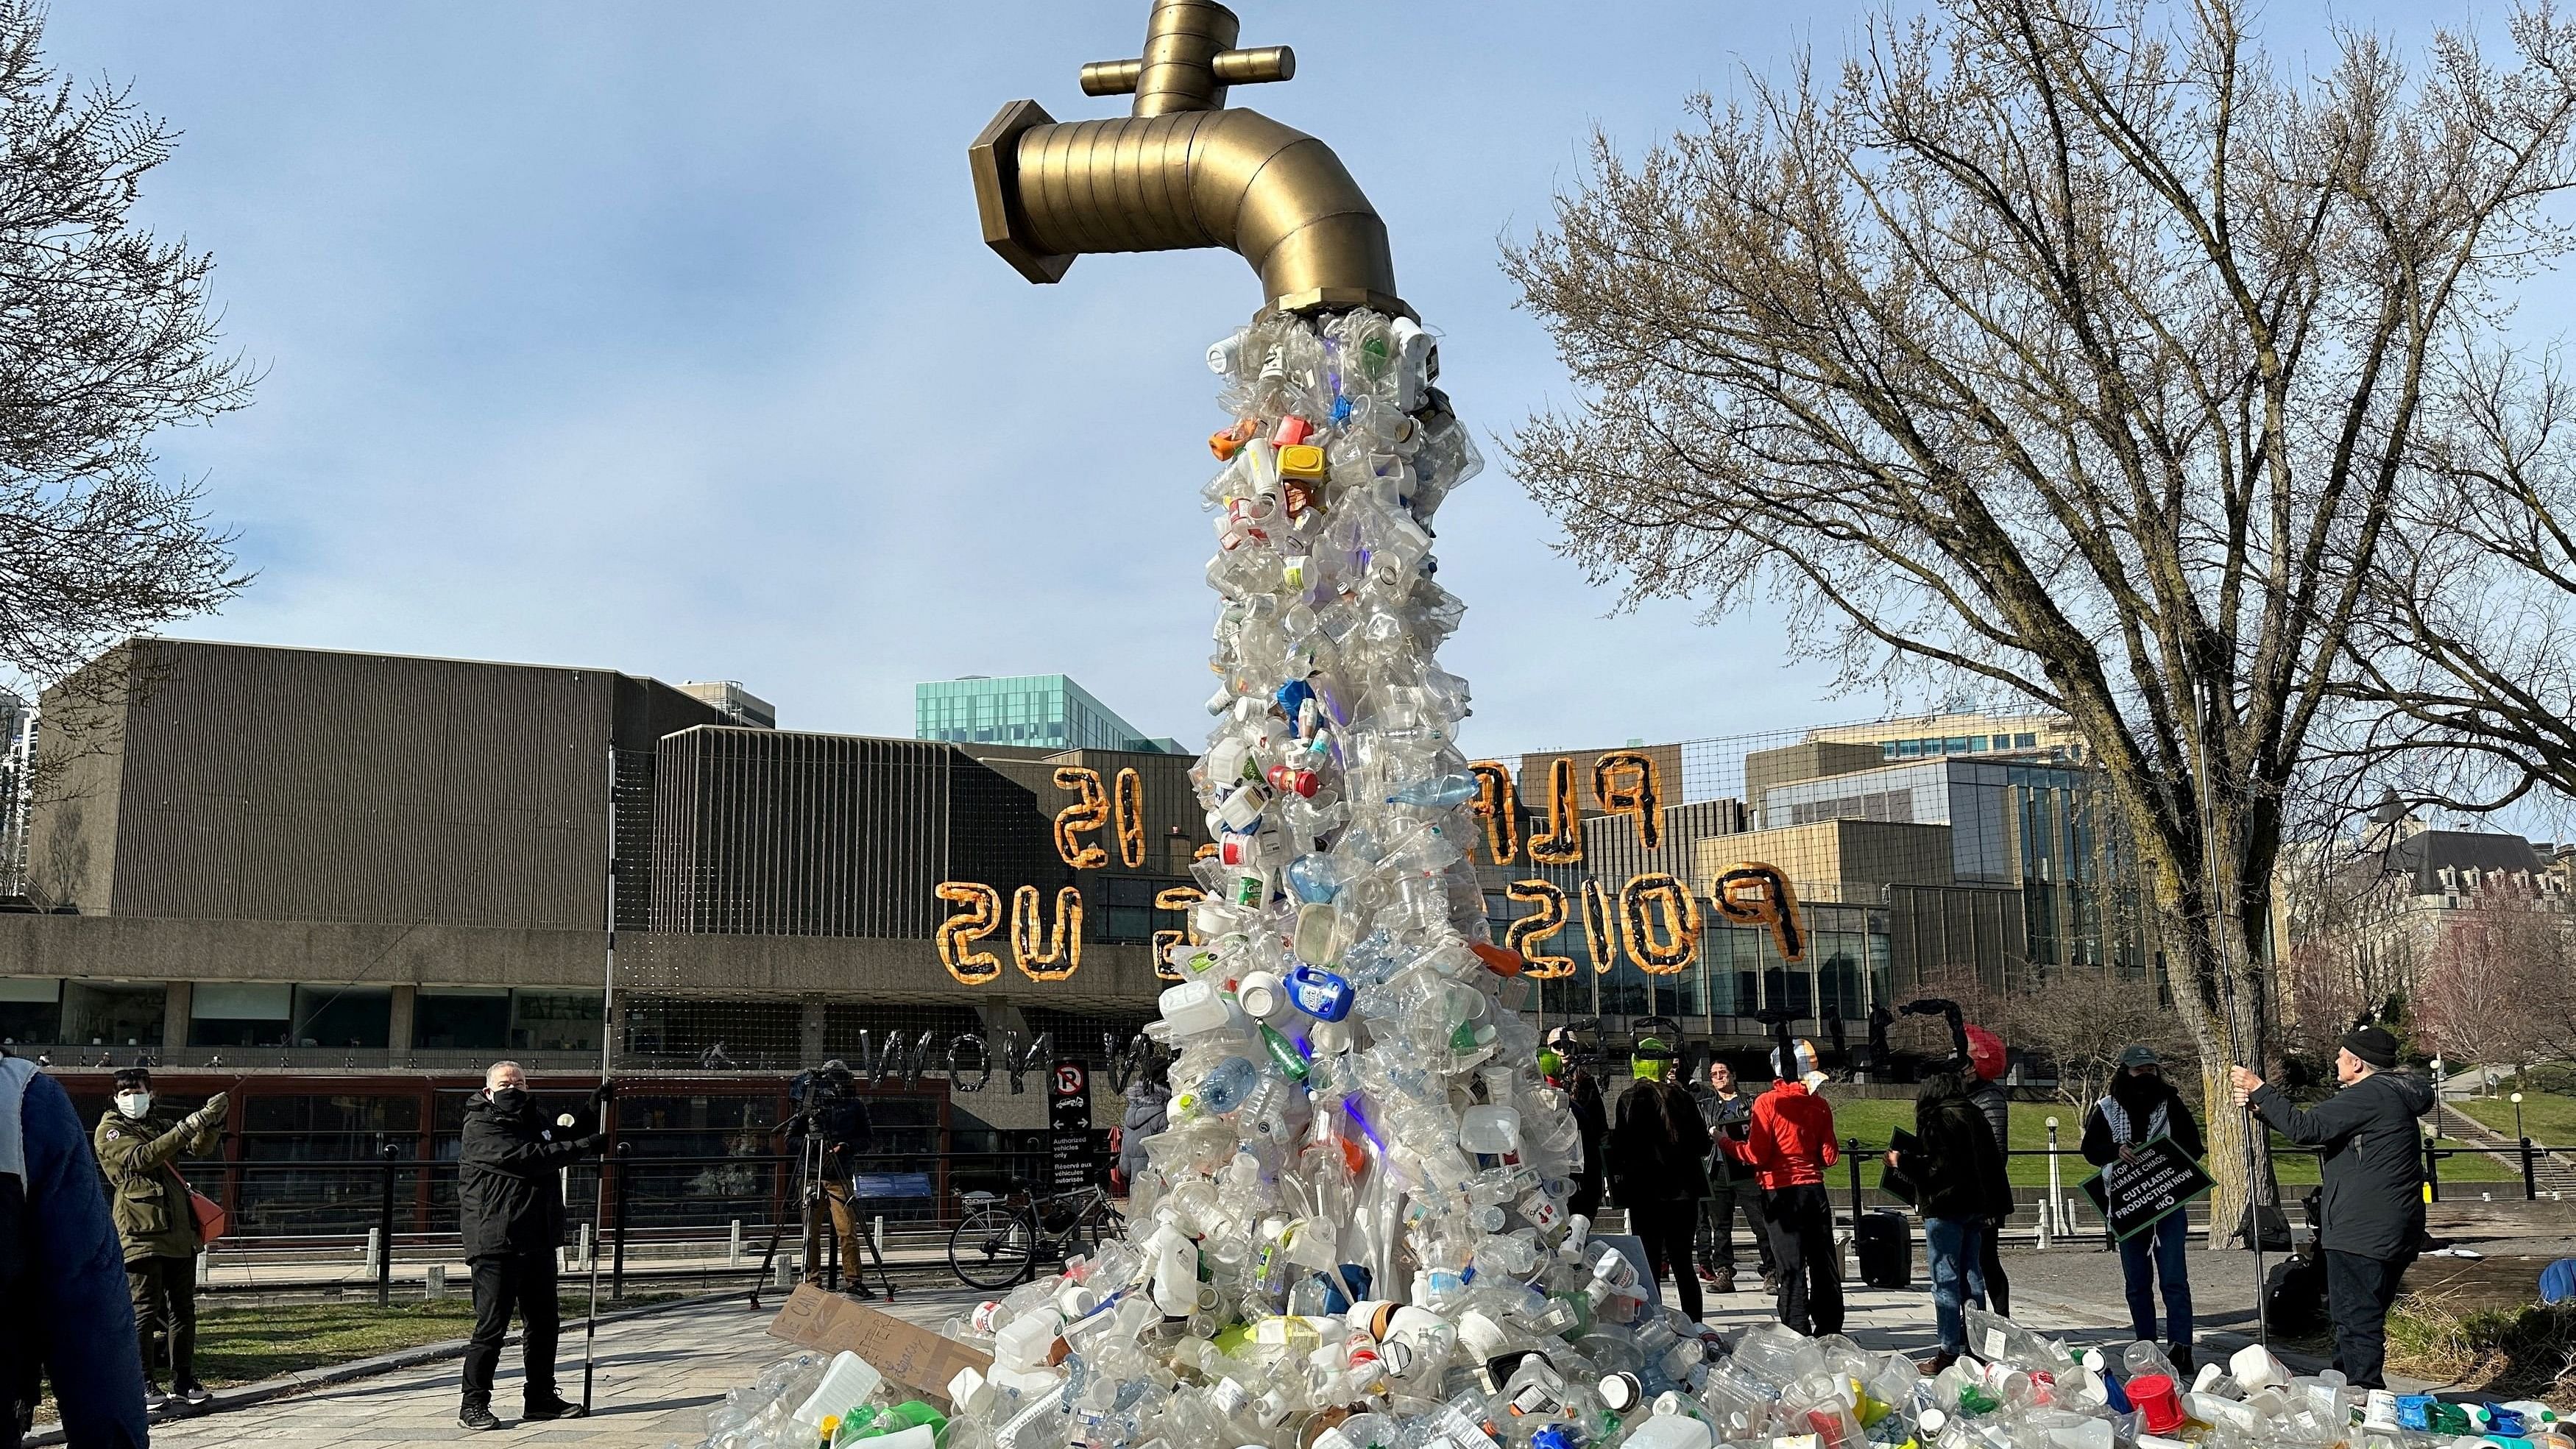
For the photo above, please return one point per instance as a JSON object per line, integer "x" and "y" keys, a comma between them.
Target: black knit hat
{"x": 133, "y": 1078}
{"x": 2372, "y": 1045}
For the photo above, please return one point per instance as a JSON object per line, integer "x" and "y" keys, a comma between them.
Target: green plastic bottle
{"x": 870, "y": 1422}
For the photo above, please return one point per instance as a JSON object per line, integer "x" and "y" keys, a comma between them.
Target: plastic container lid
{"x": 1620, "y": 1392}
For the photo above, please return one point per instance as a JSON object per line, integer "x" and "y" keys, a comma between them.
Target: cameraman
{"x": 833, "y": 1113}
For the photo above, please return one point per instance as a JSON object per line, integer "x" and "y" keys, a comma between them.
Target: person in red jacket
{"x": 1789, "y": 1144}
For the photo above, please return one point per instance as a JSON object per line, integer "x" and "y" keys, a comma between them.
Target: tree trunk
{"x": 2227, "y": 1012}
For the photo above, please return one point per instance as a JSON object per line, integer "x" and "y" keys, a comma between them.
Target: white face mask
{"x": 134, "y": 1104}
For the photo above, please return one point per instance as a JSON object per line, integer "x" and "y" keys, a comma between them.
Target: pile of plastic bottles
{"x": 1354, "y": 1233}
{"x": 1075, "y": 1367}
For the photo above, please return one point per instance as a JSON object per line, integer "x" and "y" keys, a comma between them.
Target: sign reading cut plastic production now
{"x": 1654, "y": 918}
{"x": 2134, "y": 1196}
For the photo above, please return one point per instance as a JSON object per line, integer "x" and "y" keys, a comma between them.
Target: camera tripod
{"x": 813, "y": 1205}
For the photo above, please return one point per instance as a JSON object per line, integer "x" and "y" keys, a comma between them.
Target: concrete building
{"x": 352, "y": 861}
{"x": 1990, "y": 862}
{"x": 738, "y": 705}
{"x": 1961, "y": 732}
{"x": 1028, "y": 711}
{"x": 2358, "y": 918}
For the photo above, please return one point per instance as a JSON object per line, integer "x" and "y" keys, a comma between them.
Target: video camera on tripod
{"x": 831, "y": 1130}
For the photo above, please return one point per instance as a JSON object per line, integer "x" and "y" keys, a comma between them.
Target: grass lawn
{"x": 241, "y": 1345}
{"x": 1874, "y": 1119}
{"x": 2547, "y": 1116}
{"x": 247, "y": 1343}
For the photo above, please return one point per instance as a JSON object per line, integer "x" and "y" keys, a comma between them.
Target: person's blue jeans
{"x": 1956, "y": 1247}
{"x": 2147, "y": 1256}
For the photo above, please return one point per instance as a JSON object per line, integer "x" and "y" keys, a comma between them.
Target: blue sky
{"x": 662, "y": 338}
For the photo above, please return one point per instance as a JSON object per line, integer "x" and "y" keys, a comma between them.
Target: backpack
{"x": 2294, "y": 1294}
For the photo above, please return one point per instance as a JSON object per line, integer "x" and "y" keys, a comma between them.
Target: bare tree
{"x": 2076, "y": 1018}
{"x": 2470, "y": 660}
{"x": 2056, "y": 348}
{"x": 2498, "y": 979}
{"x": 105, "y": 338}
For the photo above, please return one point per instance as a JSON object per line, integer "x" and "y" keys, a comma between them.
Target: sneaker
{"x": 2180, "y": 1353}
{"x": 550, "y": 1408}
{"x": 1938, "y": 1362}
{"x": 1707, "y": 1274}
{"x": 1723, "y": 1282}
{"x": 477, "y": 1417}
{"x": 1771, "y": 1284}
{"x": 155, "y": 1401}
{"x": 195, "y": 1394}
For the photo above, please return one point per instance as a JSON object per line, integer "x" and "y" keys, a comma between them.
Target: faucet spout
{"x": 1183, "y": 173}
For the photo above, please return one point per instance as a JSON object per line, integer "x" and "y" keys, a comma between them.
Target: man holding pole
{"x": 513, "y": 1215}
{"x": 2374, "y": 1186}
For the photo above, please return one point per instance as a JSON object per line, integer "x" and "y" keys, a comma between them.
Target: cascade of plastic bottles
{"x": 1354, "y": 1233}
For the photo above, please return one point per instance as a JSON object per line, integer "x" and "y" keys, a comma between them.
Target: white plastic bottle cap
{"x": 1620, "y": 1392}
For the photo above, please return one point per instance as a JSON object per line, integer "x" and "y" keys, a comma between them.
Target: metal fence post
{"x": 2433, "y": 1168}
{"x": 385, "y": 1233}
{"x": 617, "y": 1268}
{"x": 2530, "y": 1178}
{"x": 1851, "y": 1154}
{"x": 2048, "y": 1204}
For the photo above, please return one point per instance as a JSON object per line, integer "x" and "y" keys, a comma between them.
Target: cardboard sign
{"x": 918, "y": 1359}
{"x": 1893, "y": 1182}
{"x": 2135, "y": 1197}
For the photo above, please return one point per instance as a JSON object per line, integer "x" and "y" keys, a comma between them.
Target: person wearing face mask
{"x": 137, "y": 1150}
{"x": 513, "y": 1217}
{"x": 2140, "y": 1107}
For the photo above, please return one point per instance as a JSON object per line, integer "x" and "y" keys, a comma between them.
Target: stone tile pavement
{"x": 657, "y": 1376}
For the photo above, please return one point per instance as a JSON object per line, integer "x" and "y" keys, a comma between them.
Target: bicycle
{"x": 999, "y": 1241}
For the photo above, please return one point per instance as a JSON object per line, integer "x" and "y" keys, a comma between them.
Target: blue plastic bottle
{"x": 1319, "y": 993}
{"x": 1438, "y": 791}
{"x": 1226, "y": 1085}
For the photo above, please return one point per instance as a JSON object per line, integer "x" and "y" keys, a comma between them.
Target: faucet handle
{"x": 1256, "y": 65}
{"x": 1112, "y": 77}
{"x": 1251, "y": 66}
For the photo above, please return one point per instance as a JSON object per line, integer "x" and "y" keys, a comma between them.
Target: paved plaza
{"x": 657, "y": 1377}
{"x": 659, "y": 1374}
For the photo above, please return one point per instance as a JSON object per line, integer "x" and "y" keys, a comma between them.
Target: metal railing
{"x": 2056, "y": 1212}
{"x": 658, "y": 1219}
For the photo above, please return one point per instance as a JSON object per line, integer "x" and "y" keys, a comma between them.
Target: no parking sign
{"x": 1069, "y": 1149}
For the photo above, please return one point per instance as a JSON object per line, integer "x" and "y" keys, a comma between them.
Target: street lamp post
{"x": 2048, "y": 1210}
{"x": 2522, "y": 1145}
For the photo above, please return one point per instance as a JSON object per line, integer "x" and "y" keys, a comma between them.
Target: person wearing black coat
{"x": 1959, "y": 1184}
{"x": 1725, "y": 1110}
{"x": 511, "y": 1206}
{"x": 2373, "y": 1176}
{"x": 1655, "y": 1147}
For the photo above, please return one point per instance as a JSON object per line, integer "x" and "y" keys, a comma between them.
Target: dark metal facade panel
{"x": 762, "y": 832}
{"x": 293, "y": 784}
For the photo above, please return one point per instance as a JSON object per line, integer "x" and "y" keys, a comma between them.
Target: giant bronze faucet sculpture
{"x": 1181, "y": 171}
